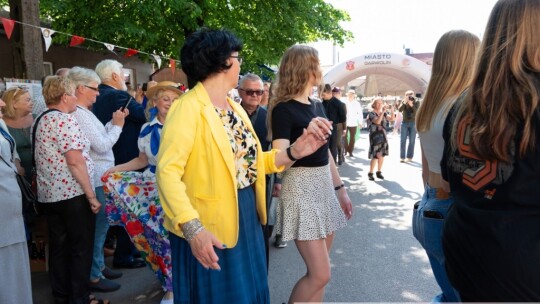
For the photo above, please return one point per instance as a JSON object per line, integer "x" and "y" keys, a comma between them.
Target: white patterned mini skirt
{"x": 308, "y": 207}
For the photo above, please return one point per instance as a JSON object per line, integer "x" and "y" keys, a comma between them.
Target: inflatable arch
{"x": 407, "y": 69}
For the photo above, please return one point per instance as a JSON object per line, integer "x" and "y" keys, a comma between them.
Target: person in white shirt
{"x": 354, "y": 119}
{"x": 102, "y": 138}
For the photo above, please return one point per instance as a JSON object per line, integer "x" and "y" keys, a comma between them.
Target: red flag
{"x": 76, "y": 40}
{"x": 130, "y": 52}
{"x": 172, "y": 63}
{"x": 8, "y": 26}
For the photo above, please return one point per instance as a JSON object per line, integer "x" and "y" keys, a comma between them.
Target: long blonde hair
{"x": 299, "y": 66}
{"x": 504, "y": 95}
{"x": 453, "y": 63}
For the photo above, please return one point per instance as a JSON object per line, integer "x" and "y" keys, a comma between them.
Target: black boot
{"x": 370, "y": 176}
{"x": 379, "y": 175}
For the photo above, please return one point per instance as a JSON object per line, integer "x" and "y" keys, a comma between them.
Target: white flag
{"x": 109, "y": 47}
{"x": 47, "y": 36}
{"x": 158, "y": 60}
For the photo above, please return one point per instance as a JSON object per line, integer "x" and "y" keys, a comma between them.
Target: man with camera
{"x": 408, "y": 108}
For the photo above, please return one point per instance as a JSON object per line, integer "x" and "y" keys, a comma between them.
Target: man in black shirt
{"x": 336, "y": 113}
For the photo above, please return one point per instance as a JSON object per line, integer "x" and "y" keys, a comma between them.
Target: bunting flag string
{"x": 9, "y": 25}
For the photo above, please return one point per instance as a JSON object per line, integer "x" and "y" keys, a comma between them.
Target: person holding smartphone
{"x": 408, "y": 108}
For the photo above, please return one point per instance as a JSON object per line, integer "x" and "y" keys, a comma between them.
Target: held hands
{"x": 320, "y": 127}
{"x": 202, "y": 247}
{"x": 314, "y": 137}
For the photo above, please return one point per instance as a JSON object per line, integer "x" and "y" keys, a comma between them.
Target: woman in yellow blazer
{"x": 210, "y": 176}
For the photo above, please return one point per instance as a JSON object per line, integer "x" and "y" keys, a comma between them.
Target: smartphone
{"x": 433, "y": 214}
{"x": 145, "y": 87}
{"x": 126, "y": 104}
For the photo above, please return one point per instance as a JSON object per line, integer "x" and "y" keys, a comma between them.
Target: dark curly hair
{"x": 205, "y": 52}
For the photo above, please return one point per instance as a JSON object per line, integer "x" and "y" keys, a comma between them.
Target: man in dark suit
{"x": 335, "y": 112}
{"x": 113, "y": 95}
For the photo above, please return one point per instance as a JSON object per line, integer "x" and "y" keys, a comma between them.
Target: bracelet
{"x": 339, "y": 187}
{"x": 191, "y": 229}
{"x": 289, "y": 154}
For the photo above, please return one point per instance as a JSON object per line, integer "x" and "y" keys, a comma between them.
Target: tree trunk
{"x": 27, "y": 41}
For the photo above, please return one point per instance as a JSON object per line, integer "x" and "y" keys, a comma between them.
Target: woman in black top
{"x": 491, "y": 237}
{"x": 309, "y": 211}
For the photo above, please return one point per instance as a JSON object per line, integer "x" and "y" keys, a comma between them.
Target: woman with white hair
{"x": 102, "y": 139}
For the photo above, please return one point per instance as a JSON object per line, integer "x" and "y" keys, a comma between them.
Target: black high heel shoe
{"x": 370, "y": 176}
{"x": 379, "y": 175}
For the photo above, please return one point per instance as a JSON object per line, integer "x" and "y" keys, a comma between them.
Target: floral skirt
{"x": 133, "y": 202}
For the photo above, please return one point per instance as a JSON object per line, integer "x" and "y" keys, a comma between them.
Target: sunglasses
{"x": 252, "y": 93}
{"x": 19, "y": 91}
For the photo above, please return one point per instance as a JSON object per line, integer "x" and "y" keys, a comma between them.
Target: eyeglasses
{"x": 252, "y": 93}
{"x": 92, "y": 88}
{"x": 239, "y": 58}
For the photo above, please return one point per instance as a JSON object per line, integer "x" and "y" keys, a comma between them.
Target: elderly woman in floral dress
{"x": 133, "y": 196}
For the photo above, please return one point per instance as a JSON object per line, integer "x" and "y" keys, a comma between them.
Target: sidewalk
{"x": 138, "y": 286}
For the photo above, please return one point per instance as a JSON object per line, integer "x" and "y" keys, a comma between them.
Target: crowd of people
{"x": 192, "y": 183}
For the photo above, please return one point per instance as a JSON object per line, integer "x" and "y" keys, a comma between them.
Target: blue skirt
{"x": 243, "y": 277}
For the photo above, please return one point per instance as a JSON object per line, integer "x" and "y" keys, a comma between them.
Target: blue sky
{"x": 388, "y": 25}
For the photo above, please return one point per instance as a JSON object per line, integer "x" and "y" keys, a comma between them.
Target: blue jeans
{"x": 407, "y": 129}
{"x": 428, "y": 222}
{"x": 102, "y": 225}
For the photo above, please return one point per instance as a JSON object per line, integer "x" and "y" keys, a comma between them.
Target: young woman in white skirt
{"x": 314, "y": 202}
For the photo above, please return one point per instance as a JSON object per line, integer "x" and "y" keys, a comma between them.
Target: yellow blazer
{"x": 196, "y": 174}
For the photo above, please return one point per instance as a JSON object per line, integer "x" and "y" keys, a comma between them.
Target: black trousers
{"x": 333, "y": 142}
{"x": 71, "y": 226}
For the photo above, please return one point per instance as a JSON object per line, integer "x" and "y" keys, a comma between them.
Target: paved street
{"x": 374, "y": 259}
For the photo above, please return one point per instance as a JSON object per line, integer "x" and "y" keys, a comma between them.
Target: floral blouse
{"x": 244, "y": 147}
{"x": 56, "y": 134}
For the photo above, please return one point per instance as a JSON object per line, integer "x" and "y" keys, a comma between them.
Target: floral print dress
{"x": 133, "y": 202}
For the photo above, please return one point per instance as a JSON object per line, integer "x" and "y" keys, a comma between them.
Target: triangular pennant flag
{"x": 109, "y": 47}
{"x": 47, "y": 36}
{"x": 172, "y": 64}
{"x": 8, "y": 26}
{"x": 158, "y": 60}
{"x": 76, "y": 40}
{"x": 130, "y": 52}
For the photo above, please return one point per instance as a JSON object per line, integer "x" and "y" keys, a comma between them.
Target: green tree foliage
{"x": 160, "y": 26}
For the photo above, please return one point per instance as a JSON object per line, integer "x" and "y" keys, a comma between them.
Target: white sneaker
{"x": 408, "y": 160}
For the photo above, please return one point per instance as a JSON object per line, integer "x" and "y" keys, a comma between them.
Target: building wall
{"x": 63, "y": 56}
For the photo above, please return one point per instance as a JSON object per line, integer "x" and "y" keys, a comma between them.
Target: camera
{"x": 411, "y": 98}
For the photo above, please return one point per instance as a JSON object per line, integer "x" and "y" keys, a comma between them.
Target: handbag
{"x": 29, "y": 198}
